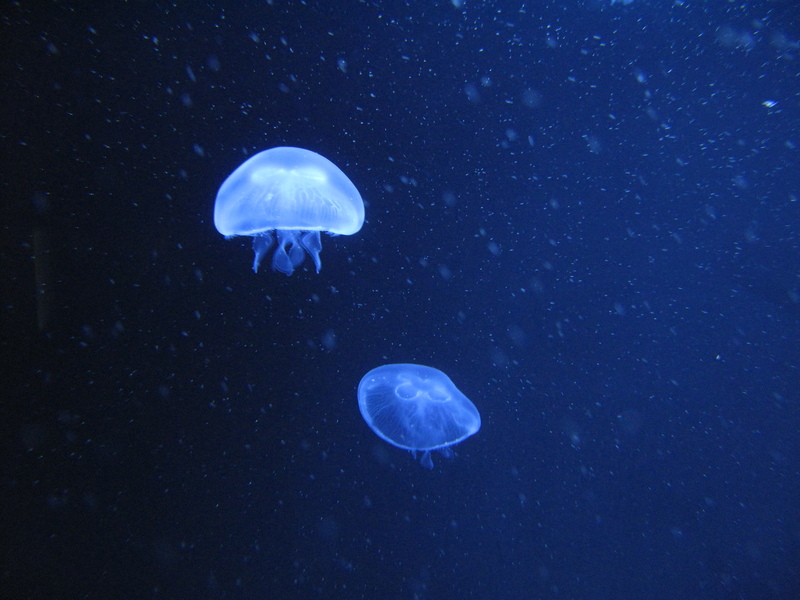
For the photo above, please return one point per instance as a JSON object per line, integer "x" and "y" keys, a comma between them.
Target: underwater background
{"x": 586, "y": 213}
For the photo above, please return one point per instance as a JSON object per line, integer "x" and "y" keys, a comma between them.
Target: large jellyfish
{"x": 292, "y": 194}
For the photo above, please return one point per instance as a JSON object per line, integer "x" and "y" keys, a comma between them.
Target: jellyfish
{"x": 290, "y": 194}
{"x": 417, "y": 408}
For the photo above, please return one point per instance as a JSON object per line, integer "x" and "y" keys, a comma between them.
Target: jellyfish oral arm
{"x": 313, "y": 245}
{"x": 426, "y": 460}
{"x": 289, "y": 253}
{"x": 261, "y": 245}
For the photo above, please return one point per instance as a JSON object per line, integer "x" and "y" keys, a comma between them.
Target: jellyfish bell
{"x": 287, "y": 195}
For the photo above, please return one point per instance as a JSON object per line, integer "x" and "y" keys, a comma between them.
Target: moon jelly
{"x": 292, "y": 194}
{"x": 416, "y": 408}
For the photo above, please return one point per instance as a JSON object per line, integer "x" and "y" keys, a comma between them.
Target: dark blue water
{"x": 586, "y": 215}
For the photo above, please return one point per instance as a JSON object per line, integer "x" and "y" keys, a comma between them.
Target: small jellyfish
{"x": 417, "y": 408}
{"x": 294, "y": 193}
